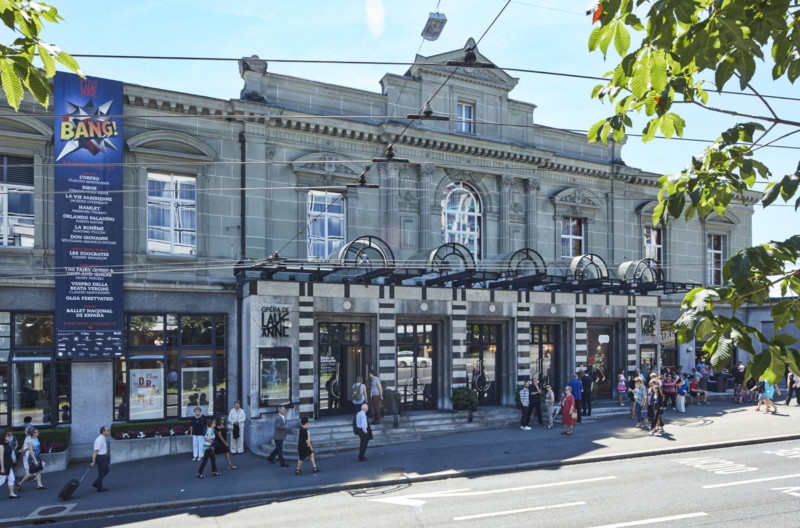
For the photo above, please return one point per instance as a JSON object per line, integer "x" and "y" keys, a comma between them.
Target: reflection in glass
{"x": 31, "y": 397}
{"x": 33, "y": 330}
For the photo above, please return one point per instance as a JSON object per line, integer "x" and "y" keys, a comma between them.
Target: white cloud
{"x": 375, "y": 17}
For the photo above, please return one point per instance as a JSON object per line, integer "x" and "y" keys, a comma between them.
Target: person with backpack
{"x": 359, "y": 393}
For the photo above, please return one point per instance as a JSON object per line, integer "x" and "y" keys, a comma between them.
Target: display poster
{"x": 147, "y": 394}
{"x": 275, "y": 382}
{"x": 88, "y": 148}
{"x": 599, "y": 357}
{"x": 197, "y": 391}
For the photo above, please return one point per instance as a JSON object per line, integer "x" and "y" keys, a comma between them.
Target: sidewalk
{"x": 170, "y": 482}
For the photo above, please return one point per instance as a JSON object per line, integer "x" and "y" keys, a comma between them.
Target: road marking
{"x": 715, "y": 465}
{"x": 512, "y": 512}
{"x": 742, "y": 482}
{"x": 793, "y": 491}
{"x": 654, "y": 521}
{"x": 414, "y": 500}
{"x": 789, "y": 453}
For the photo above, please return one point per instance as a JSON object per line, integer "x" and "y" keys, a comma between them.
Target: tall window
{"x": 652, "y": 243}
{"x": 461, "y": 217}
{"x": 326, "y": 221}
{"x": 171, "y": 214}
{"x": 715, "y": 251}
{"x": 572, "y": 232}
{"x": 16, "y": 201}
{"x": 466, "y": 118}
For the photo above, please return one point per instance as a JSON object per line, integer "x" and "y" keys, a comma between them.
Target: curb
{"x": 293, "y": 493}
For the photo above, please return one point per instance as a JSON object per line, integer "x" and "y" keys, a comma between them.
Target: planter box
{"x": 141, "y": 448}
{"x": 55, "y": 461}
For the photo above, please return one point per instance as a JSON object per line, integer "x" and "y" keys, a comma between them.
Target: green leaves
{"x": 18, "y": 72}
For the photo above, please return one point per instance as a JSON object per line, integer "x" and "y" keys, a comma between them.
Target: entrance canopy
{"x": 369, "y": 260}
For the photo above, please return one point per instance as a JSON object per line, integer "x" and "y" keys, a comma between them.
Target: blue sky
{"x": 546, "y": 35}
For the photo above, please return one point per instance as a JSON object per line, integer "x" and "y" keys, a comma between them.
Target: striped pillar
{"x": 523, "y": 343}
{"x": 306, "y": 354}
{"x": 581, "y": 338}
{"x": 632, "y": 353}
{"x": 387, "y": 345}
{"x": 459, "y": 344}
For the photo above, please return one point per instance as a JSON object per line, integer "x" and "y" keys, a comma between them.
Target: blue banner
{"x": 88, "y": 200}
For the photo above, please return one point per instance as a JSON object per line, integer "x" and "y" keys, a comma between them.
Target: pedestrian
{"x": 655, "y": 408}
{"x": 792, "y": 387}
{"x": 536, "y": 400}
{"x": 550, "y": 403}
{"x": 680, "y": 395}
{"x": 32, "y": 459}
{"x": 569, "y": 411}
{"x": 738, "y": 384}
{"x": 7, "y": 460}
{"x": 278, "y": 437}
{"x": 101, "y": 458}
{"x": 525, "y": 401}
{"x": 632, "y": 385}
{"x": 236, "y": 419}
{"x": 586, "y": 393}
{"x": 198, "y": 426}
{"x": 639, "y": 396}
{"x": 221, "y": 445}
{"x": 359, "y": 393}
{"x": 751, "y": 393}
{"x": 305, "y": 449}
{"x": 376, "y": 396}
{"x": 622, "y": 388}
{"x": 670, "y": 390}
{"x": 208, "y": 450}
{"x": 363, "y": 430}
{"x": 696, "y": 392}
{"x": 577, "y": 388}
{"x": 768, "y": 393}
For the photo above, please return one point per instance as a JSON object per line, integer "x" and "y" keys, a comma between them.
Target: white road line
{"x": 512, "y": 512}
{"x": 741, "y": 482}
{"x": 654, "y": 521}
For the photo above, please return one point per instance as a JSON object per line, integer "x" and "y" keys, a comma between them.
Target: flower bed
{"x": 149, "y": 430}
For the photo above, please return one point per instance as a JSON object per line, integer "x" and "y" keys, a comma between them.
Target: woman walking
{"x": 655, "y": 408}
{"x": 639, "y": 396}
{"x": 32, "y": 459}
{"x": 550, "y": 403}
{"x": 305, "y": 449}
{"x": 7, "y": 464}
{"x": 569, "y": 413}
{"x": 221, "y": 446}
{"x": 208, "y": 450}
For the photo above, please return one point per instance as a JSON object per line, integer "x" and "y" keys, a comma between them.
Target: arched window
{"x": 461, "y": 217}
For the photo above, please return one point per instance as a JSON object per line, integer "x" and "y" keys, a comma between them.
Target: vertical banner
{"x": 88, "y": 151}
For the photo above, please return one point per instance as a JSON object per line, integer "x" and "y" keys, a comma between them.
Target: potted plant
{"x": 464, "y": 399}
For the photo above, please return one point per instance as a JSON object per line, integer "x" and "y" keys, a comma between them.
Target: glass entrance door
{"x": 342, "y": 358}
{"x": 415, "y": 365}
{"x": 544, "y": 354}
{"x": 483, "y": 361}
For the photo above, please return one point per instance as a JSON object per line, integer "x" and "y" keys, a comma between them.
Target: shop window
{"x": 146, "y": 401}
{"x": 326, "y": 223}
{"x": 16, "y": 201}
{"x": 171, "y": 214}
{"x": 197, "y": 389}
{"x": 146, "y": 330}
{"x": 120, "y": 390}
{"x": 31, "y": 402}
{"x": 33, "y": 330}
{"x": 196, "y": 330}
{"x": 275, "y": 380}
{"x": 462, "y": 217}
{"x": 64, "y": 391}
{"x": 572, "y": 237}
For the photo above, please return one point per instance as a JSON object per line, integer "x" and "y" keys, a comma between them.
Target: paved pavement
{"x": 170, "y": 482}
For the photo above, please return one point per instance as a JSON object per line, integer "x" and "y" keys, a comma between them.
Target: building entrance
{"x": 416, "y": 344}
{"x": 544, "y": 355}
{"x": 342, "y": 358}
{"x": 483, "y": 361}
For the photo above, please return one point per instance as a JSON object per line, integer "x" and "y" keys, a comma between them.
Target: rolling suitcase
{"x": 67, "y": 491}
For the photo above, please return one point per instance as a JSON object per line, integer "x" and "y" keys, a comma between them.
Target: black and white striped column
{"x": 387, "y": 344}
{"x": 631, "y": 351}
{"x": 459, "y": 344}
{"x": 581, "y": 338}
{"x": 306, "y": 354}
{"x": 523, "y": 342}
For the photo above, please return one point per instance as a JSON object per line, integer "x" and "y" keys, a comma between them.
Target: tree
{"x": 18, "y": 72}
{"x": 680, "y": 41}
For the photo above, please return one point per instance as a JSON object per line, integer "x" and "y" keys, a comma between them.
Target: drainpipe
{"x": 240, "y": 280}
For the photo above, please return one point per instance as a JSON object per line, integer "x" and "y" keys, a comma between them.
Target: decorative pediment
{"x": 576, "y": 201}
{"x": 22, "y": 128}
{"x": 328, "y": 166}
{"x": 168, "y": 144}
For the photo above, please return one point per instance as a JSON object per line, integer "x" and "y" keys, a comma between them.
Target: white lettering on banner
{"x": 715, "y": 465}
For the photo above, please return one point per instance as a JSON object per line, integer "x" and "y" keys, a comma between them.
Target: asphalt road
{"x": 750, "y": 486}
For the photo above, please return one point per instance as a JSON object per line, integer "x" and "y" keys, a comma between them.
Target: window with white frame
{"x": 572, "y": 233}
{"x": 16, "y": 201}
{"x": 171, "y": 214}
{"x": 461, "y": 217}
{"x": 653, "y": 246}
{"x": 465, "y": 113}
{"x": 716, "y": 258}
{"x": 326, "y": 223}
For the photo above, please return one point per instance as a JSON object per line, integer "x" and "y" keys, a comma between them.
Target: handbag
{"x": 573, "y": 414}
{"x": 236, "y": 431}
{"x": 35, "y": 467}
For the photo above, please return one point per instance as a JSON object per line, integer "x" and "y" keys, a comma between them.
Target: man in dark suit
{"x": 279, "y": 436}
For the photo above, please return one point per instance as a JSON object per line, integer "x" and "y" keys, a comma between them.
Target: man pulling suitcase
{"x": 101, "y": 458}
